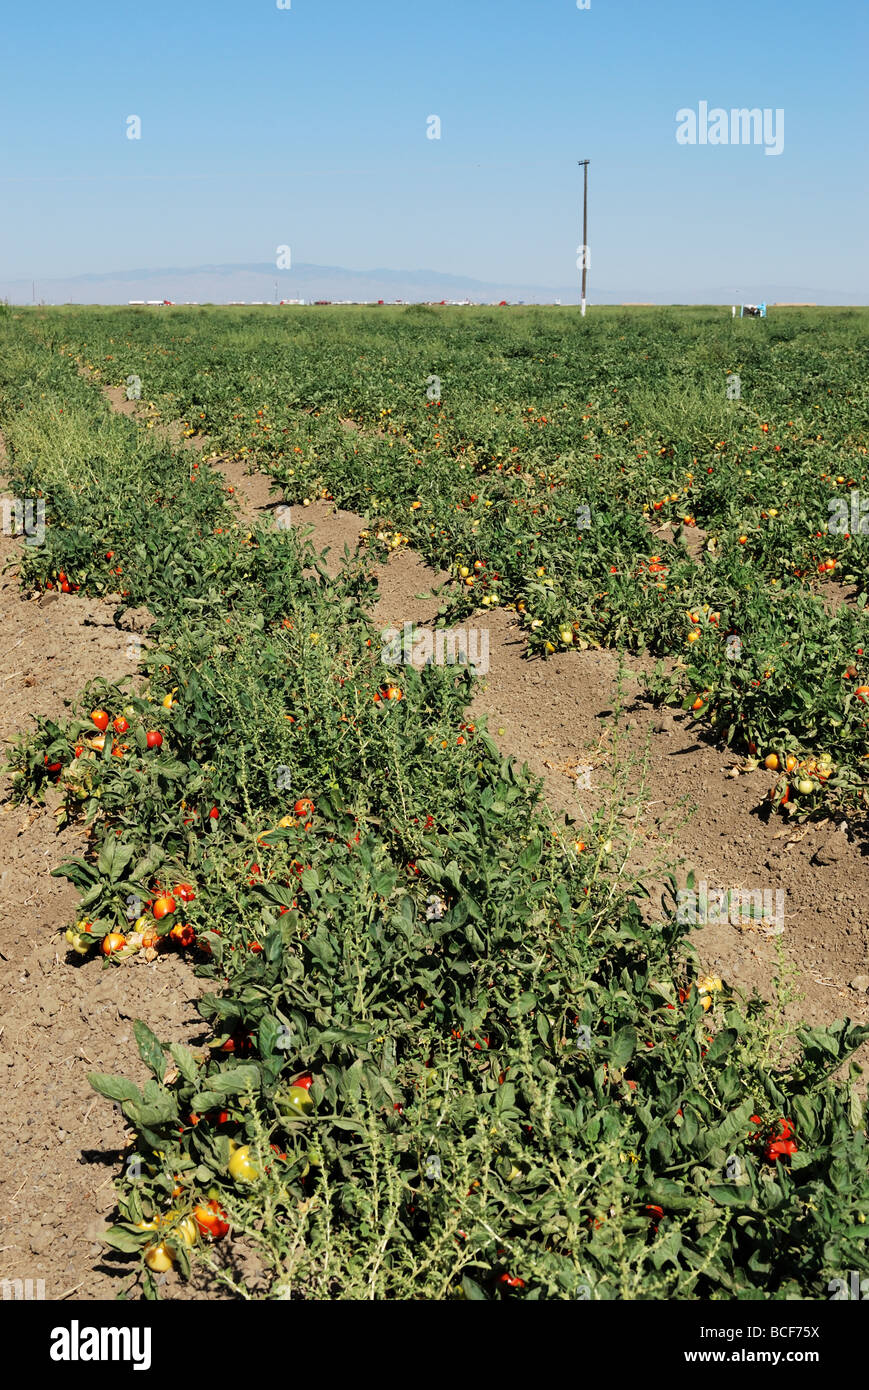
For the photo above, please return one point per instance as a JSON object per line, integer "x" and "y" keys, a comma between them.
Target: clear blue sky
{"x": 307, "y": 126}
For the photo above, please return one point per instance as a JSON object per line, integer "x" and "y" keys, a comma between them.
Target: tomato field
{"x": 444, "y": 1054}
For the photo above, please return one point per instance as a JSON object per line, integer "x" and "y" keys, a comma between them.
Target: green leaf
{"x": 123, "y": 855}
{"x": 235, "y": 1080}
{"x": 472, "y": 1290}
{"x": 622, "y": 1047}
{"x": 310, "y": 880}
{"x": 729, "y": 1195}
{"x": 268, "y": 1034}
{"x": 805, "y": 1117}
{"x": 856, "y": 1108}
{"x": 530, "y": 856}
{"x": 150, "y": 1049}
{"x": 149, "y": 1116}
{"x": 721, "y": 1045}
{"x": 205, "y": 1100}
{"x": 119, "y": 1238}
{"x": 106, "y": 857}
{"x": 352, "y": 1126}
{"x": 113, "y": 1087}
{"x": 184, "y": 1061}
{"x": 382, "y": 883}
{"x": 77, "y": 871}
{"x": 523, "y": 1004}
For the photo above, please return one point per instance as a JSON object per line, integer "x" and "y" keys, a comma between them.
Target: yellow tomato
{"x": 240, "y": 1166}
{"x": 159, "y": 1258}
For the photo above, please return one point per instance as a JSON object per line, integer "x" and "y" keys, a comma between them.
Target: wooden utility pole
{"x": 583, "y": 164}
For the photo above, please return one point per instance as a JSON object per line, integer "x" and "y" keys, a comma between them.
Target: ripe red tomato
{"x": 120, "y": 725}
{"x": 185, "y": 892}
{"x": 862, "y": 693}
{"x": 304, "y": 807}
{"x": 213, "y": 813}
{"x": 182, "y": 934}
{"x": 113, "y": 941}
{"x": 154, "y": 738}
{"x": 163, "y": 906}
{"x": 305, "y": 1081}
{"x": 101, "y": 719}
{"x": 777, "y": 1149}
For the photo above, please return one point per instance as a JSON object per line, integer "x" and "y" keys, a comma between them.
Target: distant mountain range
{"x": 224, "y": 284}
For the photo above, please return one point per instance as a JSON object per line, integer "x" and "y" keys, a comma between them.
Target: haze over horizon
{"x": 261, "y": 283}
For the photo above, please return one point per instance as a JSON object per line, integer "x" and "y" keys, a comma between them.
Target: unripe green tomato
{"x": 805, "y": 785}
{"x": 295, "y": 1103}
{"x": 241, "y": 1169}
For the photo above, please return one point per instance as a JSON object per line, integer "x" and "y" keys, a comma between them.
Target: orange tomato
{"x": 211, "y": 1220}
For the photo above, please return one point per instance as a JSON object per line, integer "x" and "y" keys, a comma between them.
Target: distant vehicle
{"x": 752, "y": 311}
